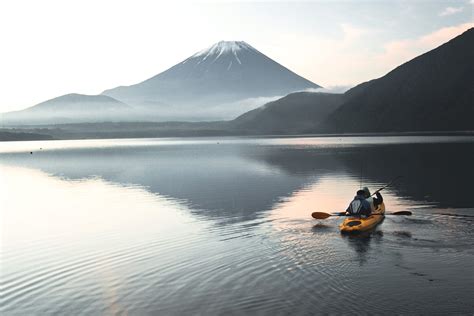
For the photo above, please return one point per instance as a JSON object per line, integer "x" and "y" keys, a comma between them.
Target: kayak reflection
{"x": 361, "y": 243}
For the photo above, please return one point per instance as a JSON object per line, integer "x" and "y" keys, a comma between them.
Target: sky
{"x": 54, "y": 47}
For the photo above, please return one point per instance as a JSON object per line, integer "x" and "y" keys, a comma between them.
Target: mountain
{"x": 432, "y": 92}
{"x": 295, "y": 113}
{"x": 212, "y": 84}
{"x": 71, "y": 108}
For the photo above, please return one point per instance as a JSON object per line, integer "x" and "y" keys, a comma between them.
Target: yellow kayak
{"x": 362, "y": 224}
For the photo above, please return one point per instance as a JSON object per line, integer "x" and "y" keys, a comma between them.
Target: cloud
{"x": 331, "y": 89}
{"x": 451, "y": 10}
{"x": 398, "y": 52}
{"x": 234, "y": 109}
{"x": 352, "y": 33}
{"x": 350, "y": 58}
{"x": 327, "y": 59}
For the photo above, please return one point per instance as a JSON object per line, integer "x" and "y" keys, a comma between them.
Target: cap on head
{"x": 366, "y": 191}
{"x": 360, "y": 192}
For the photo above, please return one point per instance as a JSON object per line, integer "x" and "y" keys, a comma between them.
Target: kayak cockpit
{"x": 361, "y": 224}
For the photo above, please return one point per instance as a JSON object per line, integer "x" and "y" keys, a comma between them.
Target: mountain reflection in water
{"x": 237, "y": 182}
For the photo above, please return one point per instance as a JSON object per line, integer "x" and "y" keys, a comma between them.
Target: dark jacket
{"x": 377, "y": 200}
{"x": 359, "y": 206}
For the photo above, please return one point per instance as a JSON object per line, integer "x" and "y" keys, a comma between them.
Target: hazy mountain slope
{"x": 71, "y": 108}
{"x": 6, "y": 135}
{"x": 432, "y": 92}
{"x": 207, "y": 82}
{"x": 296, "y": 112}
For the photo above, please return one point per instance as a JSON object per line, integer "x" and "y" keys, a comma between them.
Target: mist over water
{"x": 219, "y": 225}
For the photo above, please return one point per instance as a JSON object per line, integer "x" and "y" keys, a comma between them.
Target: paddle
{"x": 323, "y": 215}
{"x": 389, "y": 184}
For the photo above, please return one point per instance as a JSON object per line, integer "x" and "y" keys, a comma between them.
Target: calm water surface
{"x": 222, "y": 225}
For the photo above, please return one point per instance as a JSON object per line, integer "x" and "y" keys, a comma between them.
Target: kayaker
{"x": 360, "y": 205}
{"x": 374, "y": 202}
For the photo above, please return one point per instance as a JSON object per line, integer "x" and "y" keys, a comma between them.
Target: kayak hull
{"x": 353, "y": 225}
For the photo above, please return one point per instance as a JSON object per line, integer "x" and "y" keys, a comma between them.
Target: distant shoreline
{"x": 173, "y": 129}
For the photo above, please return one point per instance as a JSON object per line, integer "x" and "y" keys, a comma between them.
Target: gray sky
{"x": 50, "y": 48}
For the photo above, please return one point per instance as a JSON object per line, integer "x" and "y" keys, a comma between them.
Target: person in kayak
{"x": 373, "y": 201}
{"x": 359, "y": 205}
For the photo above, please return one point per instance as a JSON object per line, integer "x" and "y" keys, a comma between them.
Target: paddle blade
{"x": 320, "y": 215}
{"x": 407, "y": 213}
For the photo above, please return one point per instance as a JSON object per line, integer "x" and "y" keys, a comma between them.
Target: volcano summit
{"x": 220, "y": 82}
{"x": 212, "y": 84}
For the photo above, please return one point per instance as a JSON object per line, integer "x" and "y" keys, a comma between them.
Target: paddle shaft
{"x": 406, "y": 213}
{"x": 323, "y": 215}
{"x": 389, "y": 184}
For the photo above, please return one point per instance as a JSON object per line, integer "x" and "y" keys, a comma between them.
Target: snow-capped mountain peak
{"x": 208, "y": 81}
{"x": 224, "y": 47}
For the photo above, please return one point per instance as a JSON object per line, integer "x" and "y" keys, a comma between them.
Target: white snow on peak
{"x": 223, "y": 47}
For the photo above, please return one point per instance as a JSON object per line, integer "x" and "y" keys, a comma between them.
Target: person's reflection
{"x": 361, "y": 243}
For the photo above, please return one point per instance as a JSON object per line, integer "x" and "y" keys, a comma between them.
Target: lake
{"x": 223, "y": 225}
